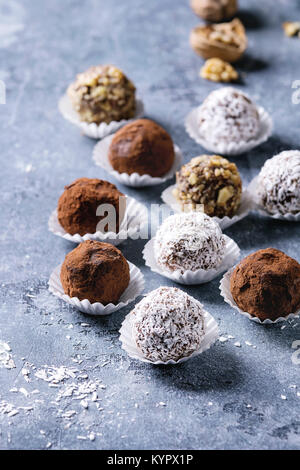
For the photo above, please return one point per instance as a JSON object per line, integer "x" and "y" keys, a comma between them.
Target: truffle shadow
{"x": 203, "y": 372}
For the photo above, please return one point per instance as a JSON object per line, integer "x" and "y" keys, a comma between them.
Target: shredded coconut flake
{"x": 5, "y": 356}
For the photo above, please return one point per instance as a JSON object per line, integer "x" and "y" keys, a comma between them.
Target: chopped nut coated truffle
{"x": 103, "y": 94}
{"x": 210, "y": 180}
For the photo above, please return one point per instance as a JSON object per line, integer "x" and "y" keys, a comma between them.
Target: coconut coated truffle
{"x": 142, "y": 147}
{"x": 212, "y": 181}
{"x": 168, "y": 324}
{"x": 279, "y": 183}
{"x": 95, "y": 271}
{"x": 77, "y": 206}
{"x": 266, "y": 284}
{"x": 189, "y": 241}
{"x": 103, "y": 94}
{"x": 228, "y": 115}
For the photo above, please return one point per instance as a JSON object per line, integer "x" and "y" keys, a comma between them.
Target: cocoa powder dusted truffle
{"x": 210, "y": 180}
{"x": 168, "y": 324}
{"x": 142, "y": 147}
{"x": 189, "y": 241}
{"x": 103, "y": 94}
{"x": 95, "y": 271}
{"x": 77, "y": 206}
{"x": 266, "y": 284}
{"x": 228, "y": 115}
{"x": 279, "y": 183}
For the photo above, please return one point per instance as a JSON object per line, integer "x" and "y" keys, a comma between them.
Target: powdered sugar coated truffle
{"x": 279, "y": 183}
{"x": 168, "y": 324}
{"x": 228, "y": 115}
{"x": 189, "y": 241}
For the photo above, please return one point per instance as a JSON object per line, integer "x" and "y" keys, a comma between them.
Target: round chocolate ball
{"x": 77, "y": 206}
{"x": 103, "y": 94}
{"x": 266, "y": 284}
{"x": 279, "y": 183}
{"x": 211, "y": 181}
{"x": 142, "y": 147}
{"x": 168, "y": 324}
{"x": 189, "y": 241}
{"x": 95, "y": 271}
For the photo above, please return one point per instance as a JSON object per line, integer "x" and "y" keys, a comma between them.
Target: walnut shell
{"x": 227, "y": 41}
{"x": 214, "y": 10}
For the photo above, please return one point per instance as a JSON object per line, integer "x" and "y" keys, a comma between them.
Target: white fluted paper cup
{"x": 262, "y": 211}
{"x": 201, "y": 276}
{"x": 224, "y": 222}
{"x": 227, "y": 296}
{"x": 100, "y": 157}
{"x": 211, "y": 334}
{"x": 134, "y": 289}
{"x": 93, "y": 130}
{"x": 230, "y": 148}
{"x": 136, "y": 216}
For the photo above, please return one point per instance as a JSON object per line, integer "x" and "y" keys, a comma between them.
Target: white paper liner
{"x": 230, "y": 148}
{"x": 201, "y": 276}
{"x": 135, "y": 288}
{"x": 93, "y": 130}
{"x": 136, "y": 216}
{"x": 262, "y": 211}
{"x": 100, "y": 157}
{"x": 129, "y": 345}
{"x": 224, "y": 222}
{"x": 226, "y": 294}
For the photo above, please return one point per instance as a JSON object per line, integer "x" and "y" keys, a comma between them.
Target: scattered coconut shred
{"x": 6, "y": 360}
{"x": 70, "y": 382}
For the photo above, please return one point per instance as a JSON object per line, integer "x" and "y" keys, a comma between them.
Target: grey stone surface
{"x": 229, "y": 397}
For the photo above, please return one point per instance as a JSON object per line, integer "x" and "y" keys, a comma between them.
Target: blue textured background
{"x": 229, "y": 397}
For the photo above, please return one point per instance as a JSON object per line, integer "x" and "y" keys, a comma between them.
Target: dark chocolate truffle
{"x": 266, "y": 284}
{"x": 142, "y": 147}
{"x": 78, "y": 204}
{"x": 95, "y": 271}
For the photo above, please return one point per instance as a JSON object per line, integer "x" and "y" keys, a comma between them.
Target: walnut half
{"x": 214, "y": 10}
{"x": 291, "y": 28}
{"x": 217, "y": 70}
{"x": 227, "y": 41}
